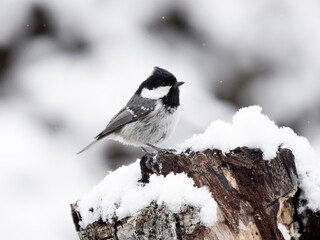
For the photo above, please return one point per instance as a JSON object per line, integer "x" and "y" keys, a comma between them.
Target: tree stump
{"x": 254, "y": 196}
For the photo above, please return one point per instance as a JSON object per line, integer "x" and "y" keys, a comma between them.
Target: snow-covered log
{"x": 269, "y": 189}
{"x": 255, "y": 200}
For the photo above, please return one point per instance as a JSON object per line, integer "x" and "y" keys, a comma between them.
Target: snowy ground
{"x": 67, "y": 67}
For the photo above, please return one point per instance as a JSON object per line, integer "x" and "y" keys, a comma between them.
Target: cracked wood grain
{"x": 253, "y": 196}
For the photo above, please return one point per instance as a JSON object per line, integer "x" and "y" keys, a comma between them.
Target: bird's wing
{"x": 137, "y": 108}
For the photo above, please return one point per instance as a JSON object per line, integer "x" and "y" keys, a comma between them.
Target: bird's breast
{"x": 154, "y": 128}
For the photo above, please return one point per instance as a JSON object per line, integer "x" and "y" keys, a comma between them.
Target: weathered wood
{"x": 247, "y": 188}
{"x": 253, "y": 197}
{"x": 153, "y": 222}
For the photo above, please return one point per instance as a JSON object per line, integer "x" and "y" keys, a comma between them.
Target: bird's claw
{"x": 162, "y": 150}
{"x": 168, "y": 150}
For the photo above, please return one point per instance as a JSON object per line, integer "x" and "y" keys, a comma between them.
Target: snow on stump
{"x": 268, "y": 188}
{"x": 254, "y": 196}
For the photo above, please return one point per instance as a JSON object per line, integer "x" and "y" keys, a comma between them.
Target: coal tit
{"x": 150, "y": 116}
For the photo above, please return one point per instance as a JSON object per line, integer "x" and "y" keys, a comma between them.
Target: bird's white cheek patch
{"x": 156, "y": 93}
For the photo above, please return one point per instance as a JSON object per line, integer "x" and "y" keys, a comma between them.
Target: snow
{"x": 251, "y": 128}
{"x": 284, "y": 231}
{"x": 119, "y": 194}
{"x": 49, "y": 82}
{"x": 248, "y": 128}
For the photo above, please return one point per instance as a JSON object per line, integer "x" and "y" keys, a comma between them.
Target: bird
{"x": 150, "y": 115}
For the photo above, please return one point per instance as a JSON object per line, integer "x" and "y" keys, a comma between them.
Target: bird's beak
{"x": 179, "y": 83}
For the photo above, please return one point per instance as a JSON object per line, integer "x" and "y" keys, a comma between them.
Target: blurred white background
{"x": 66, "y": 67}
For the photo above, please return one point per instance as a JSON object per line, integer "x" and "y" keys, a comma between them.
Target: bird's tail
{"x": 87, "y": 147}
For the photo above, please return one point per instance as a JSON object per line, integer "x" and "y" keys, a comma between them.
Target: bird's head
{"x": 159, "y": 84}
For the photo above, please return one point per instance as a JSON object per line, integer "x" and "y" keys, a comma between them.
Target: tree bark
{"x": 253, "y": 197}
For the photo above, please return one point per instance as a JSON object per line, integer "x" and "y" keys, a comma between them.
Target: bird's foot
{"x": 163, "y": 150}
{"x": 167, "y": 150}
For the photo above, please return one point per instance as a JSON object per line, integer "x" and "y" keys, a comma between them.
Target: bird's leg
{"x": 144, "y": 150}
{"x": 163, "y": 150}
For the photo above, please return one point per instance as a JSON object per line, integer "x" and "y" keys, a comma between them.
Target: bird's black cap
{"x": 160, "y": 72}
{"x": 159, "y": 77}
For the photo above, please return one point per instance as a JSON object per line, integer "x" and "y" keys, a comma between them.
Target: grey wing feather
{"x": 137, "y": 108}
